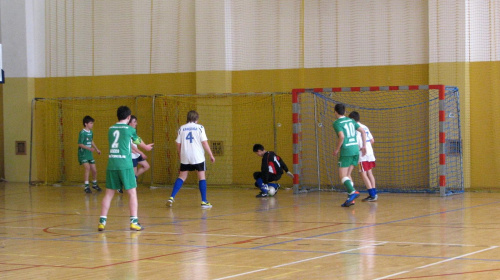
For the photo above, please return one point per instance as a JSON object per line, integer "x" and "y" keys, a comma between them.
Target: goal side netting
{"x": 233, "y": 123}
{"x": 418, "y": 145}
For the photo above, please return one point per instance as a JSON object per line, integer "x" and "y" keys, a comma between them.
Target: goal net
{"x": 233, "y": 122}
{"x": 56, "y": 124}
{"x": 416, "y": 130}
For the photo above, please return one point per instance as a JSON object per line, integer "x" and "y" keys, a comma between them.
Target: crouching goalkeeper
{"x": 271, "y": 170}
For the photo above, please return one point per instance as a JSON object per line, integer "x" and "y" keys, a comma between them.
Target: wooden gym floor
{"x": 51, "y": 232}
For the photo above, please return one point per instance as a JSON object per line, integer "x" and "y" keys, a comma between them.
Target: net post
{"x": 296, "y": 138}
{"x": 442, "y": 138}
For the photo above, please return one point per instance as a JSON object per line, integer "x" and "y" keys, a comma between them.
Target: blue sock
{"x": 273, "y": 185}
{"x": 177, "y": 186}
{"x": 202, "y": 185}
{"x": 374, "y": 190}
{"x": 371, "y": 192}
{"x": 259, "y": 183}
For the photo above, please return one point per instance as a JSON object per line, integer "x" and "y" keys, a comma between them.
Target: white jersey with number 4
{"x": 369, "y": 156}
{"x": 190, "y": 137}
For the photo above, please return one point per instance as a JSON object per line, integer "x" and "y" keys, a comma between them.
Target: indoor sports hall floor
{"x": 51, "y": 232}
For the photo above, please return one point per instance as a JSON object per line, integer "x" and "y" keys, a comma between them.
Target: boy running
{"x": 348, "y": 148}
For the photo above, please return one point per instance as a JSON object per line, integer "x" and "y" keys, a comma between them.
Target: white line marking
{"x": 304, "y": 260}
{"x": 439, "y": 262}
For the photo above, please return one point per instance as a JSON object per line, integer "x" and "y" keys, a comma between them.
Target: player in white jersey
{"x": 192, "y": 142}
{"x": 367, "y": 161}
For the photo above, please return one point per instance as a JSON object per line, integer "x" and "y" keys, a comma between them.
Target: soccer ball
{"x": 271, "y": 191}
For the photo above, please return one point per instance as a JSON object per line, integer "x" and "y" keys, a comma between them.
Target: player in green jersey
{"x": 120, "y": 171}
{"x": 86, "y": 147}
{"x": 348, "y": 148}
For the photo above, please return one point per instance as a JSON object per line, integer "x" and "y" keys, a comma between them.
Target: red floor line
{"x": 215, "y": 246}
{"x": 274, "y": 235}
{"x": 46, "y": 230}
{"x": 44, "y": 265}
{"x": 205, "y": 231}
{"x": 16, "y": 269}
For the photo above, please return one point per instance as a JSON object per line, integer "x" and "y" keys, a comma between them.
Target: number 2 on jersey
{"x": 116, "y": 134}
{"x": 190, "y": 137}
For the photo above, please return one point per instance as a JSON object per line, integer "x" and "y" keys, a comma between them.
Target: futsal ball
{"x": 271, "y": 191}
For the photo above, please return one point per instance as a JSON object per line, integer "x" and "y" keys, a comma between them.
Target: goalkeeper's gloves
{"x": 290, "y": 174}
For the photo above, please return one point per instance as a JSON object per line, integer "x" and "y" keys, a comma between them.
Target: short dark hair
{"x": 87, "y": 119}
{"x": 354, "y": 115}
{"x": 132, "y": 117}
{"x": 123, "y": 112}
{"x": 258, "y": 147}
{"x": 340, "y": 109}
{"x": 192, "y": 116}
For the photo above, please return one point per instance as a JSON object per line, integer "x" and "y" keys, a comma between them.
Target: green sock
{"x": 86, "y": 186}
{"x": 102, "y": 220}
{"x": 348, "y": 184}
{"x": 134, "y": 220}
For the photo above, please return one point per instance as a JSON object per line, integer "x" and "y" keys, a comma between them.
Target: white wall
{"x": 113, "y": 37}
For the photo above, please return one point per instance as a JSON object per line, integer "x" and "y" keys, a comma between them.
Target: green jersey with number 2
{"x": 120, "y": 149}
{"x": 348, "y": 126}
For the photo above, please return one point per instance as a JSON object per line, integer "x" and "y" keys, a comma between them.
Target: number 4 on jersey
{"x": 190, "y": 137}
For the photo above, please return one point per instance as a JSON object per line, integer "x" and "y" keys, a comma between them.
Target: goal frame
{"x": 297, "y": 127}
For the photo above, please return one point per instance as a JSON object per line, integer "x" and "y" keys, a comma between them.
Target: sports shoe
{"x": 136, "y": 226}
{"x": 87, "y": 190}
{"x": 206, "y": 204}
{"x": 96, "y": 187}
{"x": 170, "y": 201}
{"x": 101, "y": 227}
{"x": 120, "y": 190}
{"x": 372, "y": 198}
{"x": 366, "y": 198}
{"x": 261, "y": 194}
{"x": 346, "y": 204}
{"x": 350, "y": 198}
{"x": 278, "y": 186}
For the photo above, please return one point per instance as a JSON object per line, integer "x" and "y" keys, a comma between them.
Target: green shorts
{"x": 116, "y": 179}
{"x": 86, "y": 160}
{"x": 346, "y": 161}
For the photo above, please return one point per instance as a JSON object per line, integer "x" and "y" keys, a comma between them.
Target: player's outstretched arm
{"x": 363, "y": 136}
{"x": 339, "y": 144}
{"x": 96, "y": 149}
{"x": 208, "y": 150}
{"x": 146, "y": 147}
{"x": 85, "y": 147}
{"x": 137, "y": 151}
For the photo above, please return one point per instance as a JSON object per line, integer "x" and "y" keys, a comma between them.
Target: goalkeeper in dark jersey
{"x": 271, "y": 170}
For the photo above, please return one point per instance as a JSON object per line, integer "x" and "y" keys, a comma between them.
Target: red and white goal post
{"x": 418, "y": 145}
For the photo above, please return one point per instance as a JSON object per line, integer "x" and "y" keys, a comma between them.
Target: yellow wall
{"x": 457, "y": 74}
{"x": 484, "y": 124}
{"x": 18, "y": 93}
{"x": 178, "y": 83}
{"x": 237, "y": 81}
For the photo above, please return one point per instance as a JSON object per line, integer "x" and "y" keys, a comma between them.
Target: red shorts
{"x": 366, "y": 166}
